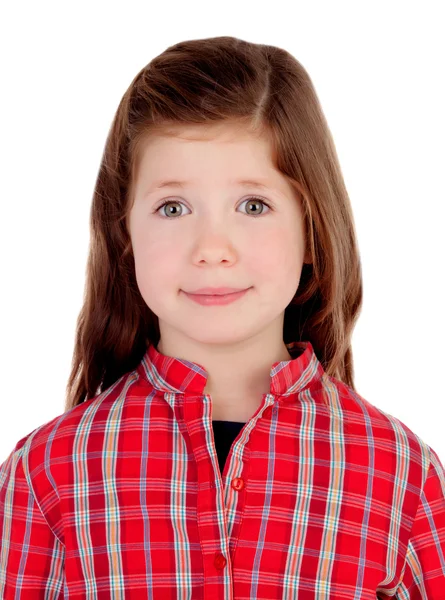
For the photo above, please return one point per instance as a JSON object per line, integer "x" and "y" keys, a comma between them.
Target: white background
{"x": 378, "y": 70}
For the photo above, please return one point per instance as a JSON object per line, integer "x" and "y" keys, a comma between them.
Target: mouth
{"x": 216, "y": 299}
{"x": 217, "y": 291}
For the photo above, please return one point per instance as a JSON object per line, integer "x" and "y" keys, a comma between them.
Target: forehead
{"x": 173, "y": 152}
{"x": 221, "y": 138}
{"x": 240, "y": 157}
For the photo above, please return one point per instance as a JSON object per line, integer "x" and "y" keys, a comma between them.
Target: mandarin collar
{"x": 177, "y": 375}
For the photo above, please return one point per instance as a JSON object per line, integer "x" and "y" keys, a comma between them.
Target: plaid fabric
{"x": 322, "y": 496}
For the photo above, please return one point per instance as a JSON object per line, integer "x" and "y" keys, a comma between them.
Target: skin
{"x": 213, "y": 238}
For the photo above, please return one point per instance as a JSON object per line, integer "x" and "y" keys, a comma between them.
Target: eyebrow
{"x": 175, "y": 183}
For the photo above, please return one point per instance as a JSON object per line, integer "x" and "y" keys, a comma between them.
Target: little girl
{"x": 213, "y": 444}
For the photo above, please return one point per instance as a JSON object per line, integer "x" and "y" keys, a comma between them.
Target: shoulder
{"x": 48, "y": 452}
{"x": 381, "y": 435}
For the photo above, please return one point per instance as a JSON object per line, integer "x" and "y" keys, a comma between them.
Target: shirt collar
{"x": 177, "y": 375}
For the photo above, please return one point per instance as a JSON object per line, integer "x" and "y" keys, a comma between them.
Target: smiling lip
{"x": 221, "y": 291}
{"x": 217, "y": 299}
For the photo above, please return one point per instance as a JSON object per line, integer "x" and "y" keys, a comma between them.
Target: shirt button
{"x": 220, "y": 561}
{"x": 238, "y": 483}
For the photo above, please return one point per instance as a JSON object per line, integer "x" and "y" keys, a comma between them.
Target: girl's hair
{"x": 209, "y": 81}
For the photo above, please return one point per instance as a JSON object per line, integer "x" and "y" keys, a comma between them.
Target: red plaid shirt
{"x": 322, "y": 496}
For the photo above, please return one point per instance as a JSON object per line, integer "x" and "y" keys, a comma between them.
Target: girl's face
{"x": 213, "y": 233}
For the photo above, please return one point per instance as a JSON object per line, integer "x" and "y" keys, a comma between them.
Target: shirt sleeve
{"x": 424, "y": 570}
{"x": 31, "y": 556}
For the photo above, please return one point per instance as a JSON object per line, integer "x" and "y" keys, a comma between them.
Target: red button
{"x": 220, "y": 561}
{"x": 267, "y": 411}
{"x": 238, "y": 483}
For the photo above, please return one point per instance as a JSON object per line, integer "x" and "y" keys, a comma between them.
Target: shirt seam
{"x": 409, "y": 545}
{"x": 28, "y": 479}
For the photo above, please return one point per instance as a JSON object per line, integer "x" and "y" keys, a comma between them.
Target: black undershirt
{"x": 225, "y": 433}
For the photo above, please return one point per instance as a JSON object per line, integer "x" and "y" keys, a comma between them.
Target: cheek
{"x": 157, "y": 268}
{"x": 276, "y": 257}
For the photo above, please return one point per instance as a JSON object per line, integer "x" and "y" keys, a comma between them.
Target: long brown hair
{"x": 208, "y": 81}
